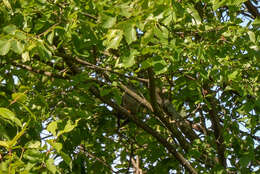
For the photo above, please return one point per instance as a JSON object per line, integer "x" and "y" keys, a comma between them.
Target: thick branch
{"x": 49, "y": 63}
{"x": 252, "y": 9}
{"x": 157, "y": 101}
{"x": 152, "y": 92}
{"x": 133, "y": 94}
{"x": 217, "y": 133}
{"x": 68, "y": 60}
{"x": 148, "y": 129}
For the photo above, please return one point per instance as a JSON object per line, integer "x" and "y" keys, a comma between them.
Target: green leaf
{"x": 25, "y": 56}
{"x": 194, "y": 13}
{"x": 233, "y": 75}
{"x": 17, "y": 46}
{"x": 13, "y": 142}
{"x": 19, "y": 96}
{"x": 162, "y": 33}
{"x": 105, "y": 91}
{"x": 50, "y": 37}
{"x": 68, "y": 127}
{"x": 251, "y": 36}
{"x": 129, "y": 61}
{"x": 125, "y": 10}
{"x": 4, "y": 47}
{"x": 28, "y": 110}
{"x": 43, "y": 51}
{"x": 52, "y": 127}
{"x": 10, "y": 29}
{"x": 148, "y": 35}
{"x": 256, "y": 22}
{"x": 33, "y": 155}
{"x": 4, "y": 144}
{"x": 113, "y": 38}
{"x": 129, "y": 32}
{"x": 33, "y": 144}
{"x": 50, "y": 166}
{"x": 218, "y": 3}
{"x": 6, "y": 114}
{"x": 57, "y": 146}
{"x": 20, "y": 35}
{"x": 160, "y": 68}
{"x": 245, "y": 159}
{"x": 236, "y": 2}
{"x": 66, "y": 158}
{"x": 7, "y": 4}
{"x": 108, "y": 21}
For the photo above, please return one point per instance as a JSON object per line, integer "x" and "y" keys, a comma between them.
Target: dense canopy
{"x": 122, "y": 86}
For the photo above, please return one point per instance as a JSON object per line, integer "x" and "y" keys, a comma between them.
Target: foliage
{"x": 190, "y": 69}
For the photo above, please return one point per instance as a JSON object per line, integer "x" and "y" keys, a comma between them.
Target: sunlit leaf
{"x": 251, "y": 36}
{"x": 4, "y": 144}
{"x": 194, "y": 13}
{"x": 129, "y": 61}
{"x": 233, "y": 75}
{"x": 5, "y": 46}
{"x": 25, "y": 56}
{"x": 34, "y": 144}
{"x": 52, "y": 127}
{"x": 113, "y": 38}
{"x": 50, "y": 166}
{"x": 50, "y": 37}
{"x": 6, "y": 114}
{"x": 108, "y": 21}
{"x": 68, "y": 127}
{"x": 19, "y": 96}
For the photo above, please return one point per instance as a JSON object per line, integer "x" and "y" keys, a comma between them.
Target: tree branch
{"x": 140, "y": 99}
{"x": 38, "y": 71}
{"x": 252, "y": 9}
{"x": 68, "y": 60}
{"x": 147, "y": 129}
{"x": 217, "y": 132}
{"x": 82, "y": 148}
{"x": 95, "y": 67}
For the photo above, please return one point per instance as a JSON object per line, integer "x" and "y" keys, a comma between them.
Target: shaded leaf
{"x": 17, "y": 46}
{"x": 13, "y": 142}
{"x": 10, "y": 29}
{"x": 129, "y": 32}
{"x": 128, "y": 61}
